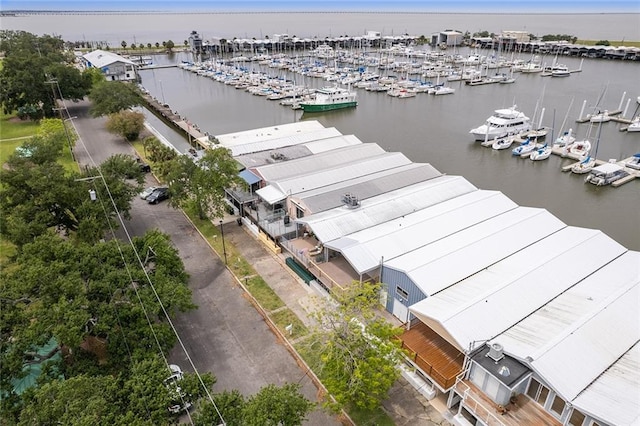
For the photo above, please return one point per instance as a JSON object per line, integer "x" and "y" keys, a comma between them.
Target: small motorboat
{"x": 526, "y": 147}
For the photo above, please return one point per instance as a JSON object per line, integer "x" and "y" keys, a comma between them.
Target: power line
{"x": 130, "y": 241}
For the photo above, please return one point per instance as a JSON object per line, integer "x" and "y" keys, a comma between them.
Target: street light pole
{"x": 224, "y": 248}
{"x": 162, "y": 92}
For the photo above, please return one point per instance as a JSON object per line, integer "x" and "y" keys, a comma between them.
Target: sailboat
{"x": 545, "y": 150}
{"x": 589, "y": 162}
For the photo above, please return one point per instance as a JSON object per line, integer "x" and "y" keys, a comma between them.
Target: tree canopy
{"x": 200, "y": 186}
{"x": 33, "y": 69}
{"x": 126, "y": 123}
{"x": 110, "y": 97}
{"x": 357, "y": 349}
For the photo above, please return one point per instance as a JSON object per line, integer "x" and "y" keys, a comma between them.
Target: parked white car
{"x": 144, "y": 194}
{"x": 178, "y": 402}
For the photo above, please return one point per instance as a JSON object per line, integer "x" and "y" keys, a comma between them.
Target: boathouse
{"x": 113, "y": 66}
{"x": 507, "y": 310}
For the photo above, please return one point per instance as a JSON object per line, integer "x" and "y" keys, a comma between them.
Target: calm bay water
{"x": 152, "y": 28}
{"x": 434, "y": 129}
{"x": 426, "y": 128}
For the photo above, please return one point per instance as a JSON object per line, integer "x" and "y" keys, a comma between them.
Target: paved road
{"x": 225, "y": 335}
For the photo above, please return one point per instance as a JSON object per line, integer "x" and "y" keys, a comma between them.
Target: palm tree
{"x": 123, "y": 44}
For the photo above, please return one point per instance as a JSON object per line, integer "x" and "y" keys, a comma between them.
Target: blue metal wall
{"x": 394, "y": 278}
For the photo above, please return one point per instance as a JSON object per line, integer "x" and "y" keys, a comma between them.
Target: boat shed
{"x": 280, "y": 190}
{"x": 552, "y": 306}
{"x": 230, "y": 140}
{"x": 284, "y": 141}
{"x": 329, "y": 159}
{"x": 331, "y": 196}
{"x": 287, "y": 153}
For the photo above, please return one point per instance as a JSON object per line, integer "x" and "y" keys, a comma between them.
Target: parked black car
{"x": 158, "y": 195}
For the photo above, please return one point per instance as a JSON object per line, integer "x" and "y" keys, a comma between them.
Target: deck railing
{"x": 427, "y": 368}
{"x": 476, "y": 406}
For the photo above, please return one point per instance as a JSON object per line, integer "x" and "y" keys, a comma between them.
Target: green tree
{"x": 149, "y": 45}
{"x": 603, "y": 43}
{"x": 123, "y": 44}
{"x": 186, "y": 43}
{"x": 109, "y": 97}
{"x": 201, "y": 186}
{"x": 358, "y": 350}
{"x": 127, "y": 124}
{"x": 159, "y": 154}
{"x": 274, "y": 406}
{"x": 133, "y": 46}
{"x": 30, "y": 65}
{"x": 230, "y": 404}
{"x": 157, "y": 45}
{"x": 169, "y": 45}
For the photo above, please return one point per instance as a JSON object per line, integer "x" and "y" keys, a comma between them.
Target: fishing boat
{"x": 606, "y": 174}
{"x": 503, "y": 122}
{"x": 330, "y": 98}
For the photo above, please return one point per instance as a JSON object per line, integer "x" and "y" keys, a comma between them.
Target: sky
{"x": 503, "y": 6}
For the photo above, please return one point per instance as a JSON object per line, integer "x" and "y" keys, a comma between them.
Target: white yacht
{"x": 503, "y": 122}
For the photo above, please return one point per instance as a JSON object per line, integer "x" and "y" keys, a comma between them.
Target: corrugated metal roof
{"x": 529, "y": 336}
{"x": 328, "y": 197}
{"x": 335, "y": 223}
{"x": 328, "y": 144}
{"x": 364, "y": 249}
{"x": 502, "y": 295}
{"x": 614, "y": 395}
{"x": 281, "y": 142}
{"x": 446, "y": 261}
{"x": 328, "y": 176}
{"x": 265, "y": 133}
{"x": 319, "y": 162}
{"x": 571, "y": 363}
{"x": 101, "y": 58}
{"x": 257, "y": 159}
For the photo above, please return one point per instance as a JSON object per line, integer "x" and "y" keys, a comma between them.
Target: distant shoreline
{"x": 17, "y": 13}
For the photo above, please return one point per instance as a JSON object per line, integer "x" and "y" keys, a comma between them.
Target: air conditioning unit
{"x": 495, "y": 352}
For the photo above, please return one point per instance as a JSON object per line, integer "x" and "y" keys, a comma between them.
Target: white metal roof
{"x": 101, "y": 58}
{"x": 328, "y": 176}
{"x": 529, "y": 337}
{"x": 319, "y": 162}
{"x": 265, "y": 133}
{"x": 614, "y": 395}
{"x": 601, "y": 338}
{"x": 364, "y": 249}
{"x": 316, "y": 147}
{"x": 448, "y": 260}
{"x": 281, "y": 142}
{"x": 335, "y": 223}
{"x": 503, "y": 294}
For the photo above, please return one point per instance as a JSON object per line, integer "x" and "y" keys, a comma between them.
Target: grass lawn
{"x": 11, "y": 127}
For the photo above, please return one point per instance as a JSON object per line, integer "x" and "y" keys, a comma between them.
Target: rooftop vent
{"x": 350, "y": 200}
{"x": 504, "y": 371}
{"x": 278, "y": 156}
{"x": 495, "y": 352}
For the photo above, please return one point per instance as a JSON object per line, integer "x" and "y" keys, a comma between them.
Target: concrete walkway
{"x": 404, "y": 404}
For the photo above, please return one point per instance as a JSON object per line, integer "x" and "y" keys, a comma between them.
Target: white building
{"x": 113, "y": 66}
